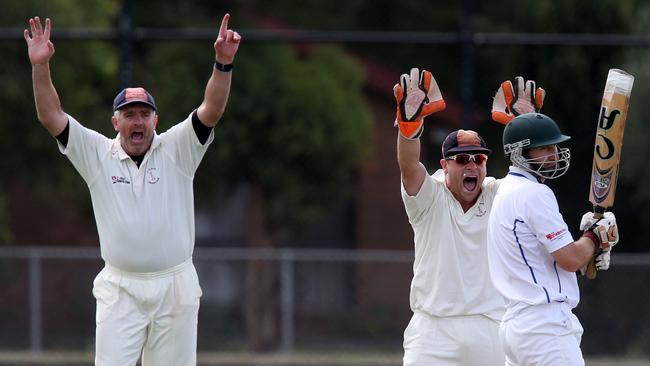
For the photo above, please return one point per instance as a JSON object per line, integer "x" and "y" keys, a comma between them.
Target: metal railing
{"x": 285, "y": 257}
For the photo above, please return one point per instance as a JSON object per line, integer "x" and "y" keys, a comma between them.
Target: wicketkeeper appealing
{"x": 141, "y": 189}
{"x": 456, "y": 309}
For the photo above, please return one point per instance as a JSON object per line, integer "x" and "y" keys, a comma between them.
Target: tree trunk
{"x": 261, "y": 306}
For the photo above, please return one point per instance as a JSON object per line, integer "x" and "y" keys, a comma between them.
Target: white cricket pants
{"x": 452, "y": 341}
{"x": 543, "y": 335}
{"x": 153, "y": 315}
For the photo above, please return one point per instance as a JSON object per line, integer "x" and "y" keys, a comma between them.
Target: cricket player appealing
{"x": 141, "y": 188}
{"x": 532, "y": 256}
{"x": 456, "y": 309}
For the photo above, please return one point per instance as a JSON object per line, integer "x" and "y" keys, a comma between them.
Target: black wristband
{"x": 223, "y": 68}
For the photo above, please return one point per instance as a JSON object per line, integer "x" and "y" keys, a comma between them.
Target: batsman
{"x": 140, "y": 183}
{"x": 531, "y": 254}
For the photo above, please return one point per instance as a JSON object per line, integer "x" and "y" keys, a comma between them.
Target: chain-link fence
{"x": 326, "y": 300}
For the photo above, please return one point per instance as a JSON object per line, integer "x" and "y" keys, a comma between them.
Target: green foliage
{"x": 295, "y": 124}
{"x": 557, "y": 16}
{"x": 64, "y": 13}
{"x": 634, "y": 173}
{"x": 378, "y": 15}
{"x": 81, "y": 72}
{"x": 183, "y": 14}
{"x": 384, "y": 15}
{"x": 81, "y": 85}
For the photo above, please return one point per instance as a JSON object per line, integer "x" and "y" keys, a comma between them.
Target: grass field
{"x": 16, "y": 358}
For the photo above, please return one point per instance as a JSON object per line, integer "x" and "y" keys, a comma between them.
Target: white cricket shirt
{"x": 525, "y": 227}
{"x": 145, "y": 216}
{"x": 450, "y": 271}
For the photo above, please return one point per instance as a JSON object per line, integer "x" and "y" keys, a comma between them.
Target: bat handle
{"x": 591, "y": 266}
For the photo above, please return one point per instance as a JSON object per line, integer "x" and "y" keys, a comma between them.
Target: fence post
{"x": 35, "y": 297}
{"x": 287, "y": 300}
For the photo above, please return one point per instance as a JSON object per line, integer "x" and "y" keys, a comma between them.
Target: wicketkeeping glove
{"x": 417, "y": 95}
{"x": 511, "y": 101}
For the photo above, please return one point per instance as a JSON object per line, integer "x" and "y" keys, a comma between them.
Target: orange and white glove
{"x": 511, "y": 101}
{"x": 417, "y": 95}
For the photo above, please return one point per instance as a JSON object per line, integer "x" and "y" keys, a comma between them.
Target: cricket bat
{"x": 609, "y": 142}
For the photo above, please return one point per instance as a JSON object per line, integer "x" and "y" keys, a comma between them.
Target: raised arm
{"x": 41, "y": 50}
{"x": 417, "y": 95}
{"x": 408, "y": 158}
{"x": 218, "y": 88}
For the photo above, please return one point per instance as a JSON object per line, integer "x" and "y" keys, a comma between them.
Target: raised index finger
{"x": 224, "y": 25}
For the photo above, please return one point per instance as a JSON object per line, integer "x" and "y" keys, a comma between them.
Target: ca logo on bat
{"x": 602, "y": 177}
{"x": 605, "y": 122}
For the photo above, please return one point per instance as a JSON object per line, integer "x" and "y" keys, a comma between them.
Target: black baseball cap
{"x": 463, "y": 141}
{"x": 133, "y": 95}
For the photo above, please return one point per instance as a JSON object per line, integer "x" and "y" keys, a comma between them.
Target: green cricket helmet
{"x": 532, "y": 130}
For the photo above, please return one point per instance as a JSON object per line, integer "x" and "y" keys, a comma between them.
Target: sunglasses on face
{"x": 464, "y": 159}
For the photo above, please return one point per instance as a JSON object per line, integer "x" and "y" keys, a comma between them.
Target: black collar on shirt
{"x": 137, "y": 159}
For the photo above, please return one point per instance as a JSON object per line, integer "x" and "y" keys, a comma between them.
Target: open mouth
{"x": 137, "y": 137}
{"x": 470, "y": 183}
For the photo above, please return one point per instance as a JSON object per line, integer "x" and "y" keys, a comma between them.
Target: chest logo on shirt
{"x": 551, "y": 236}
{"x": 152, "y": 176}
{"x": 480, "y": 209}
{"x": 116, "y": 179}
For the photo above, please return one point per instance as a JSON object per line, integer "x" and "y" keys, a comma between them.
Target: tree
{"x": 81, "y": 72}
{"x": 633, "y": 169}
{"x": 296, "y": 125}
{"x": 294, "y": 131}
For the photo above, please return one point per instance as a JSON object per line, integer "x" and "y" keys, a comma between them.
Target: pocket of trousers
{"x": 187, "y": 289}
{"x": 571, "y": 322}
{"x": 420, "y": 330}
{"x": 106, "y": 293}
{"x": 409, "y": 333}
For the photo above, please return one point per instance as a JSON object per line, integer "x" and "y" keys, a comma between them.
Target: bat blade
{"x": 608, "y": 145}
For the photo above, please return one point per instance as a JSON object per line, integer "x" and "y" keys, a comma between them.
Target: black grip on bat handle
{"x": 599, "y": 212}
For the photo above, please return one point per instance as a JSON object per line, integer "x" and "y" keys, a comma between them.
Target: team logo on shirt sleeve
{"x": 556, "y": 234}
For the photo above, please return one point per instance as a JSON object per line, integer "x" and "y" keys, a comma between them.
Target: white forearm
{"x": 575, "y": 255}
{"x": 215, "y": 98}
{"x": 408, "y": 158}
{"x": 48, "y": 104}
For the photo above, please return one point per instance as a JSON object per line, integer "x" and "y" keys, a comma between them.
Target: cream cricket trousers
{"x": 471, "y": 340}
{"x": 543, "y": 335}
{"x": 153, "y": 315}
